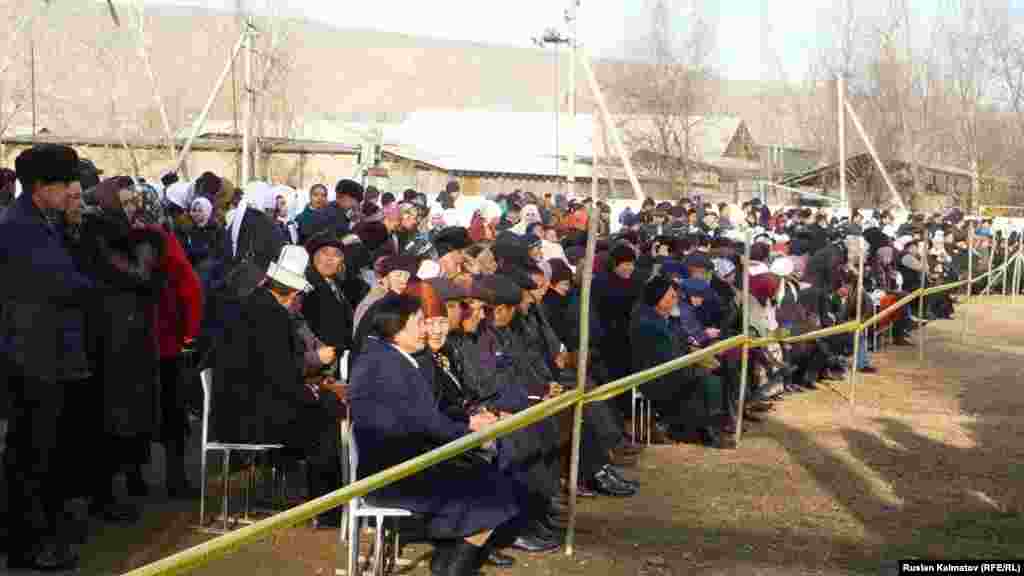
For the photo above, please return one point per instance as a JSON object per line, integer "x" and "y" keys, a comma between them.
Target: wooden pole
{"x": 970, "y": 280}
{"x": 745, "y": 357}
{"x": 147, "y": 63}
{"x": 874, "y": 155}
{"x": 581, "y": 365}
{"x": 920, "y": 304}
{"x": 620, "y": 148}
{"x": 859, "y": 332}
{"x": 198, "y": 125}
{"x": 247, "y": 110}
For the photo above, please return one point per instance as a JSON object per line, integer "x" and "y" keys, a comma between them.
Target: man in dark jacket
{"x": 44, "y": 345}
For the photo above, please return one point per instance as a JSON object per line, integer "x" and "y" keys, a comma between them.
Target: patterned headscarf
{"x": 151, "y": 209}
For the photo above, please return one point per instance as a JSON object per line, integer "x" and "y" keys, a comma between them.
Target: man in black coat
{"x": 43, "y": 341}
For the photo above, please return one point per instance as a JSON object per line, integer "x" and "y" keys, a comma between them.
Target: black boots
{"x": 464, "y": 559}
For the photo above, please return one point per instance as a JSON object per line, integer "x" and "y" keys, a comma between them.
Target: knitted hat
{"x": 620, "y": 254}
{"x": 656, "y": 289}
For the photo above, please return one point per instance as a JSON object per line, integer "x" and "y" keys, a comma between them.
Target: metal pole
{"x": 859, "y": 332}
{"x": 558, "y": 115}
{"x": 874, "y": 155}
{"x": 991, "y": 262}
{"x": 841, "y": 118}
{"x": 609, "y": 122}
{"x": 745, "y": 357}
{"x": 32, "y": 73}
{"x": 1006, "y": 260}
{"x": 920, "y": 304}
{"x": 247, "y": 110}
{"x": 572, "y": 99}
{"x": 1018, "y": 267}
{"x": 581, "y": 365}
{"x": 198, "y": 125}
{"x": 970, "y": 280}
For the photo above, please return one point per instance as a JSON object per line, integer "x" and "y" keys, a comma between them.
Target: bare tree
{"x": 665, "y": 95}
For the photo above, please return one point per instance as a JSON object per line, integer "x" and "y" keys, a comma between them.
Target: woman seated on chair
{"x": 395, "y": 418}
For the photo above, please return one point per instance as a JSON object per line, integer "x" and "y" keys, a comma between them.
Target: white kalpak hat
{"x": 290, "y": 268}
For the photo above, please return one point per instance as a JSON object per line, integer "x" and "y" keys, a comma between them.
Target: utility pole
{"x": 32, "y": 73}
{"x": 249, "y": 100}
{"x": 570, "y": 17}
{"x": 553, "y": 38}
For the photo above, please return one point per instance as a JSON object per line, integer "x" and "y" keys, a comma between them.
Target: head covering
{"x": 621, "y": 253}
{"x": 698, "y": 260}
{"x": 106, "y": 194}
{"x": 290, "y": 268}
{"x": 783, "y": 267}
{"x": 559, "y": 270}
{"x": 151, "y": 210}
{"x": 451, "y": 239}
{"x": 764, "y": 286}
{"x": 350, "y": 188}
{"x": 179, "y": 194}
{"x": 886, "y": 255}
{"x": 258, "y": 196}
{"x": 497, "y": 289}
{"x": 428, "y": 269}
{"x": 695, "y": 286}
{"x": 205, "y": 210}
{"x": 446, "y": 289}
{"x": 656, "y": 289}
{"x": 322, "y": 240}
{"x": 289, "y": 195}
{"x": 723, "y": 267}
{"x": 88, "y": 174}
{"x": 391, "y": 264}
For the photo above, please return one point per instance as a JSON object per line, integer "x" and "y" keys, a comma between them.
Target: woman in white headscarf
{"x": 202, "y": 239}
{"x": 284, "y": 202}
{"x": 254, "y": 237}
{"x": 529, "y": 215}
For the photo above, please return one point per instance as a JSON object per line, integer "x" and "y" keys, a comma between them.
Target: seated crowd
{"x": 443, "y": 326}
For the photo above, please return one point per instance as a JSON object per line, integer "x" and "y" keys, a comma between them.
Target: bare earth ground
{"x": 931, "y": 463}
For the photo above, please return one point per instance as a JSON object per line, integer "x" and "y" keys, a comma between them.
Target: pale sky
{"x": 756, "y": 39}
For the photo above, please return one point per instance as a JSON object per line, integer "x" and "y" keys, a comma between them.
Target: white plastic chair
{"x": 358, "y": 509}
{"x": 641, "y": 427}
{"x": 206, "y": 376}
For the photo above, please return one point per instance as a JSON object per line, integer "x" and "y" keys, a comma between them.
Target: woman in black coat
{"x": 395, "y": 418}
{"x": 122, "y": 337}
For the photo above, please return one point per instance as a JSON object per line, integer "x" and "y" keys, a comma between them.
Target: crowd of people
{"x": 415, "y": 324}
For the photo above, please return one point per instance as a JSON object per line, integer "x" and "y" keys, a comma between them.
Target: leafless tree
{"x": 665, "y": 95}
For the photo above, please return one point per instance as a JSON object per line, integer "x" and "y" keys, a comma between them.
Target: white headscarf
{"x": 289, "y": 195}
{"x": 205, "y": 208}
{"x": 529, "y": 215}
{"x": 256, "y": 195}
{"x": 180, "y": 194}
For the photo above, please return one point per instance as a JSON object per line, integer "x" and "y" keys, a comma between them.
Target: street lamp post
{"x": 554, "y": 38}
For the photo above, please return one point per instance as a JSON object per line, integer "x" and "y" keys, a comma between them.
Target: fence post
{"x": 920, "y": 305}
{"x": 581, "y": 365}
{"x": 1006, "y": 260}
{"x": 991, "y": 262}
{"x": 745, "y": 355}
{"x": 970, "y": 281}
{"x": 1020, "y": 265}
{"x": 860, "y": 330}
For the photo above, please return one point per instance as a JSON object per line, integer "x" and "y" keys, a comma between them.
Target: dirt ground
{"x": 930, "y": 463}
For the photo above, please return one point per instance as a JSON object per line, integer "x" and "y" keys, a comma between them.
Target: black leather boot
{"x": 465, "y": 560}
{"x": 439, "y": 559}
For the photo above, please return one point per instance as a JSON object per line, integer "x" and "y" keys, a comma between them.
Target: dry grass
{"x": 930, "y": 463}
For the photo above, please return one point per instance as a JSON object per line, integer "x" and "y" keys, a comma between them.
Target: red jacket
{"x": 181, "y": 309}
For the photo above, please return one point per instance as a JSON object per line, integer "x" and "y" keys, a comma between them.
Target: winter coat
{"x": 329, "y": 314}
{"x": 258, "y": 388}
{"x": 395, "y": 417}
{"x": 44, "y": 297}
{"x": 181, "y": 298}
{"x": 258, "y": 241}
{"x": 122, "y": 327}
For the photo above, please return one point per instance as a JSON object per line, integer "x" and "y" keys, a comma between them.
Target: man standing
{"x": 43, "y": 341}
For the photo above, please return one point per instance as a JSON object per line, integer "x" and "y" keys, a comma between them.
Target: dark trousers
{"x": 174, "y": 420}
{"x": 33, "y": 465}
